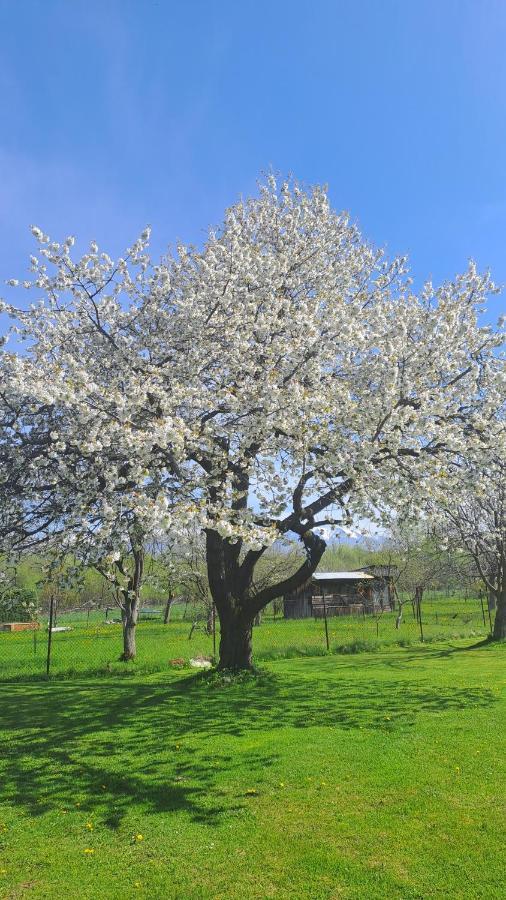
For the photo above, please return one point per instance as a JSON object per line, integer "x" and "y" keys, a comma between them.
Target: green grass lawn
{"x": 92, "y": 647}
{"x": 357, "y": 776}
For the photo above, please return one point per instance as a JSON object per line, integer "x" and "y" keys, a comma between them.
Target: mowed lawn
{"x": 93, "y": 647}
{"x": 372, "y": 775}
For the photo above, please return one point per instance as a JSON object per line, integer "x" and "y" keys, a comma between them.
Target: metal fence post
{"x": 482, "y": 609}
{"x": 326, "y": 623}
{"x": 49, "y": 634}
{"x": 419, "y": 609}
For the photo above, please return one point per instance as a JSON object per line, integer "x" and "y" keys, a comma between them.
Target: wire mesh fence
{"x": 89, "y": 641}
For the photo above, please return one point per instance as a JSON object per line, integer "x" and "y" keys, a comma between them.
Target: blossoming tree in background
{"x": 280, "y": 380}
{"x": 77, "y": 484}
{"x": 475, "y": 524}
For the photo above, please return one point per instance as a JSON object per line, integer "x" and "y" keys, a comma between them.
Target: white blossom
{"x": 283, "y": 377}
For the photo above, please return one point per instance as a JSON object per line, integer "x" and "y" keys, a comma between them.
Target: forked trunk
{"x": 131, "y": 602}
{"x": 235, "y": 642}
{"x": 230, "y": 582}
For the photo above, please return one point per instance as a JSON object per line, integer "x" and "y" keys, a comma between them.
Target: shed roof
{"x": 343, "y": 576}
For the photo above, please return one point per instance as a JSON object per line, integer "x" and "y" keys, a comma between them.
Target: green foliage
{"x": 30, "y": 576}
{"x": 18, "y": 605}
{"x": 230, "y": 677}
{"x": 347, "y": 557}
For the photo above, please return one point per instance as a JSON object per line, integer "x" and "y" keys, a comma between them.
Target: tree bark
{"x": 168, "y": 607}
{"x": 129, "y": 647}
{"x": 131, "y": 603}
{"x": 230, "y": 582}
{"x": 499, "y": 633}
{"x": 129, "y": 616}
{"x": 235, "y": 642}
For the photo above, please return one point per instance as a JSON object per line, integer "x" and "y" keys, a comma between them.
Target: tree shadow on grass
{"x": 406, "y": 657}
{"x": 108, "y": 745}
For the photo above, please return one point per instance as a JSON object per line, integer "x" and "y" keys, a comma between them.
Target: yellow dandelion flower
{"x": 89, "y": 850}
{"x": 139, "y": 837}
{"x": 89, "y": 826}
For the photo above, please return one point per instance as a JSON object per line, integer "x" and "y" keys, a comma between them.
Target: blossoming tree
{"x": 284, "y": 378}
{"x": 72, "y": 481}
{"x": 475, "y": 524}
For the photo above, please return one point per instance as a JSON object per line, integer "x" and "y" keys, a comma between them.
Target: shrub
{"x": 18, "y": 606}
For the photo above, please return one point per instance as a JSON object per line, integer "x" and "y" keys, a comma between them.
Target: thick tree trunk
{"x": 168, "y": 607}
{"x": 235, "y": 642}
{"x": 131, "y": 602}
{"x": 129, "y": 649}
{"x": 129, "y": 616}
{"x": 230, "y": 582}
{"x": 499, "y": 633}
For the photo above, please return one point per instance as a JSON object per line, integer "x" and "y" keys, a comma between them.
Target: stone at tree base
{"x": 200, "y": 662}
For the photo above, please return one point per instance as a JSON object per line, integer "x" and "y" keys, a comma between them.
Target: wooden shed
{"x": 365, "y": 590}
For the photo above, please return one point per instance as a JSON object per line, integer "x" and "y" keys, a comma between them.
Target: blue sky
{"x": 118, "y": 113}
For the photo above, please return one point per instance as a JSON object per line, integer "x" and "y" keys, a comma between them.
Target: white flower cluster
{"x": 283, "y": 377}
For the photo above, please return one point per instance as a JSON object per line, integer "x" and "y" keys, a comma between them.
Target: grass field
{"x": 94, "y": 647}
{"x": 357, "y": 776}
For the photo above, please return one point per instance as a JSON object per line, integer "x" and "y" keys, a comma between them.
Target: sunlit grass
{"x": 359, "y": 776}
{"x": 93, "y": 646}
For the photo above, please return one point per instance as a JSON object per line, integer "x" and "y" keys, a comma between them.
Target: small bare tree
{"x": 421, "y": 562}
{"x": 180, "y": 570}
